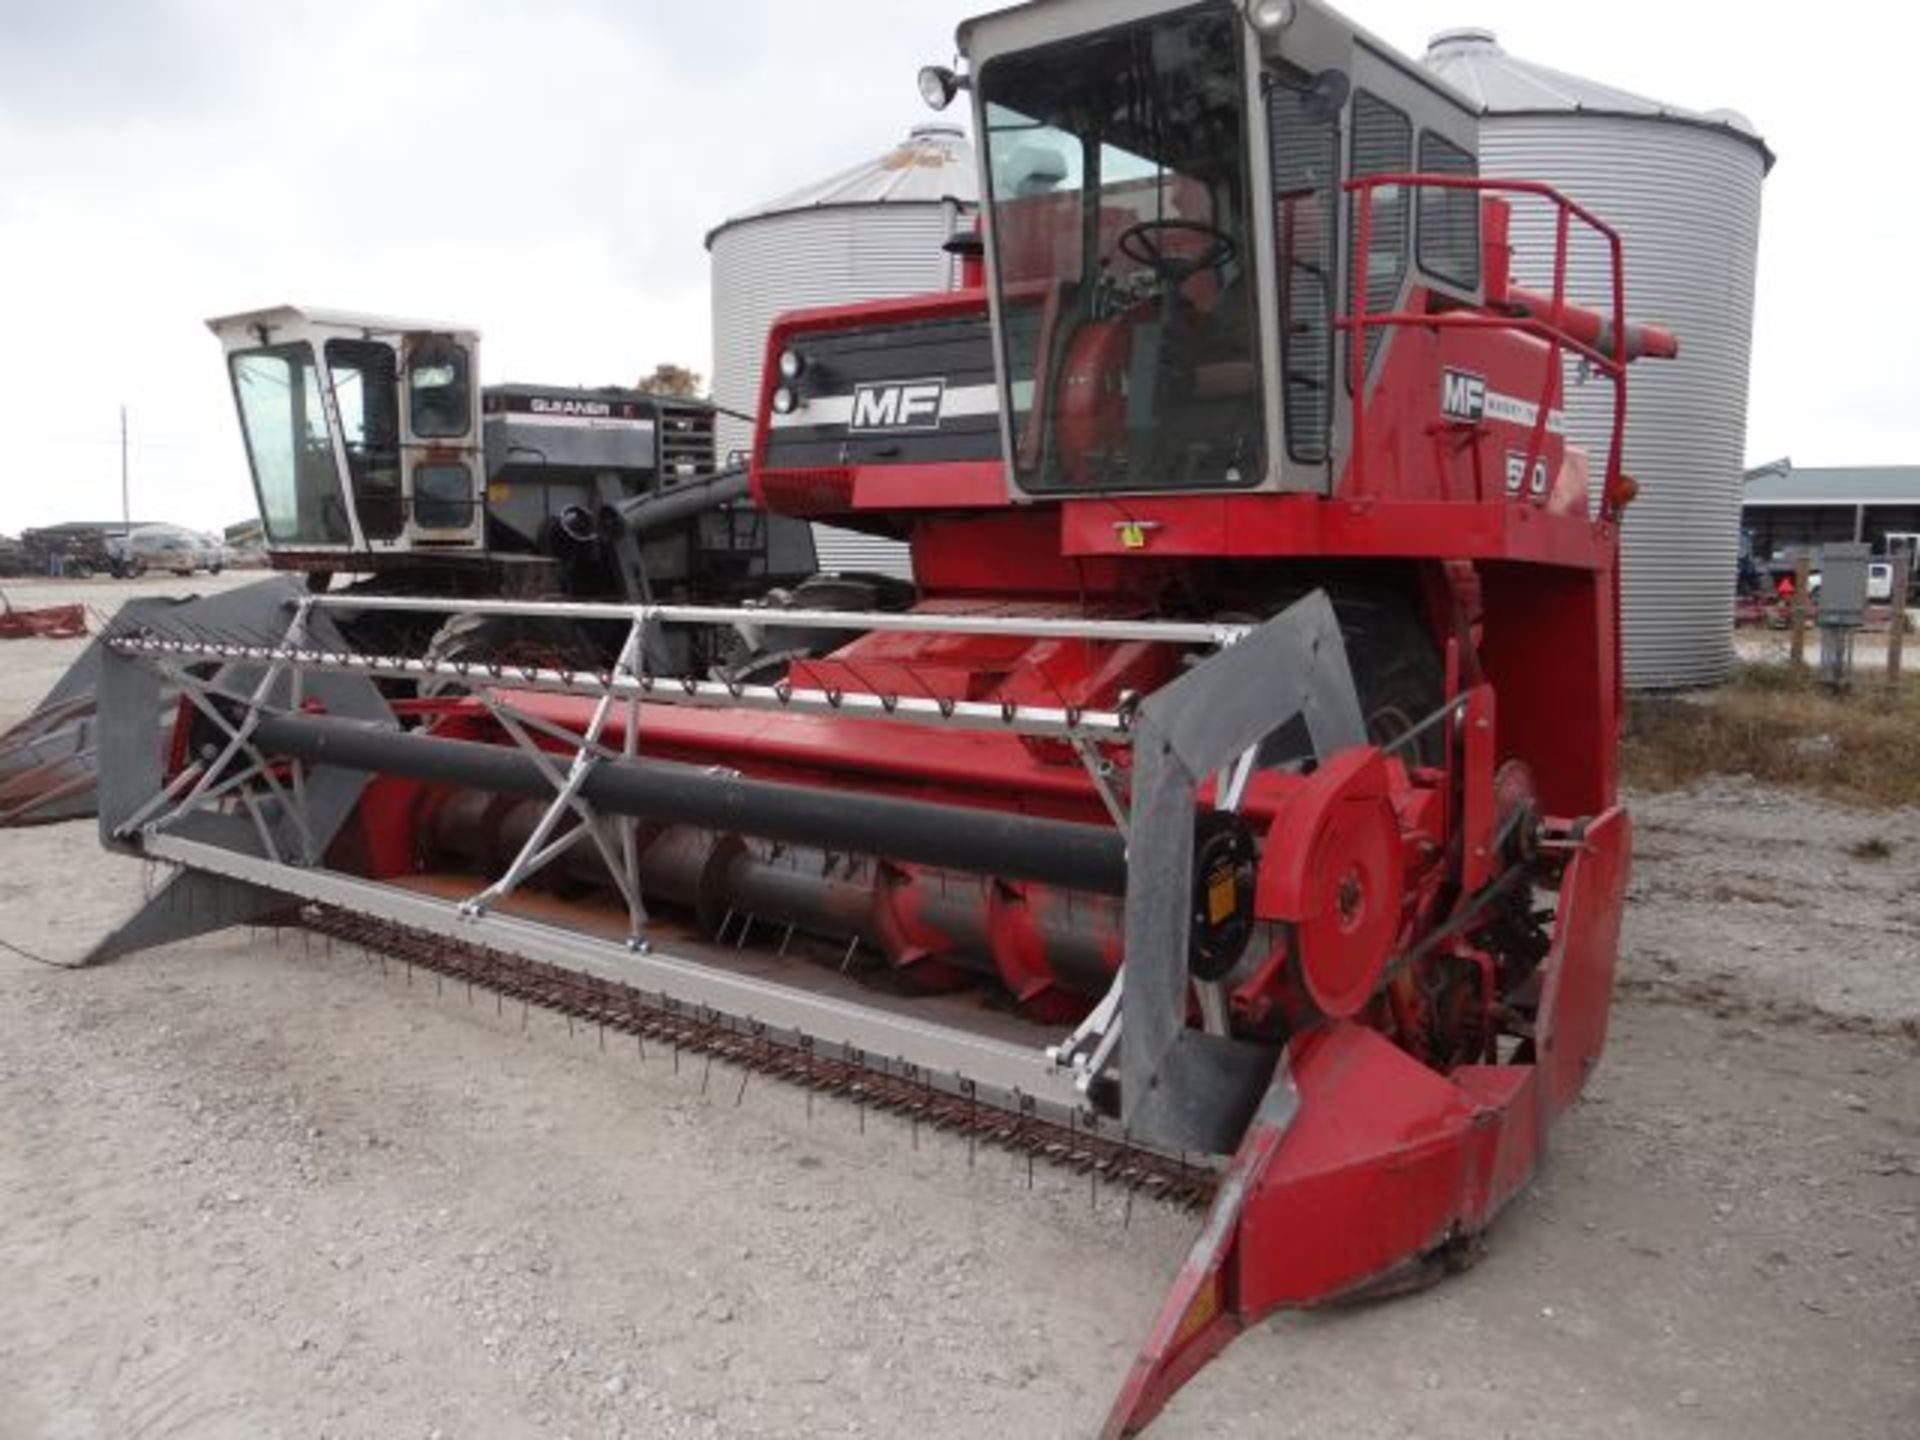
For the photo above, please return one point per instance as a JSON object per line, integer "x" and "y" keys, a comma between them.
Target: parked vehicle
{"x": 163, "y": 547}
{"x": 1879, "y": 582}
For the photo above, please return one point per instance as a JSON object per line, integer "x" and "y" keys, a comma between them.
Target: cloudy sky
{"x": 546, "y": 171}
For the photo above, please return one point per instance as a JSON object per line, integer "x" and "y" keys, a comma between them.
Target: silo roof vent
{"x": 1462, "y": 37}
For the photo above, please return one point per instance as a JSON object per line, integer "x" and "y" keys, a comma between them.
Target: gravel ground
{"x": 250, "y": 1189}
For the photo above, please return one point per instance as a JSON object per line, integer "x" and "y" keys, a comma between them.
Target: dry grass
{"x": 1784, "y": 728}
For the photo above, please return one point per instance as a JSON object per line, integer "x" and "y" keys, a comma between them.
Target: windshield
{"x": 288, "y": 444}
{"x": 1120, "y": 225}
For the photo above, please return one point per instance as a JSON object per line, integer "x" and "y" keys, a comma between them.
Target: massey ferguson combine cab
{"x": 1233, "y": 815}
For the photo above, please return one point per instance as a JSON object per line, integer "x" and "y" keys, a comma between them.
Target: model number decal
{"x": 1517, "y": 475}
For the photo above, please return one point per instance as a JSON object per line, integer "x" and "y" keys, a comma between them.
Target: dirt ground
{"x": 250, "y": 1189}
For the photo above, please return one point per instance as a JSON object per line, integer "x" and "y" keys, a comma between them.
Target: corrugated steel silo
{"x": 1683, "y": 190}
{"x": 871, "y": 232}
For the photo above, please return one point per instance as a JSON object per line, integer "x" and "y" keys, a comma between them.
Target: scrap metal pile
{"x": 1232, "y": 815}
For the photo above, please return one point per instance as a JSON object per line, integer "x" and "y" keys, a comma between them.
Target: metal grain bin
{"x": 1683, "y": 189}
{"x": 871, "y": 232}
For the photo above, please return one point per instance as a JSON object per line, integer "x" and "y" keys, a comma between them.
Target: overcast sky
{"x": 546, "y": 172}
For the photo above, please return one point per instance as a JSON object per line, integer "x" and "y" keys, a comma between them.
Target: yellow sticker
{"x": 1133, "y": 536}
{"x": 1220, "y": 895}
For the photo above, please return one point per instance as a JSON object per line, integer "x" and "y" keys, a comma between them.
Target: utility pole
{"x": 126, "y": 506}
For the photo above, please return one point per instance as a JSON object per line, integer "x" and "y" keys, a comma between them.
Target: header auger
{"x": 1234, "y": 811}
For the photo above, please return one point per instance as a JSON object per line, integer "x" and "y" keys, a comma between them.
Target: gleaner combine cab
{"x": 1250, "y": 749}
{"x": 375, "y": 450}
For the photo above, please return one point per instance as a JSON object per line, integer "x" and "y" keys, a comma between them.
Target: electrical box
{"x": 1843, "y": 585}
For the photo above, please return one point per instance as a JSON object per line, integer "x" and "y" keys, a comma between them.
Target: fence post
{"x": 1802, "y": 575}
{"x": 1896, "y": 637}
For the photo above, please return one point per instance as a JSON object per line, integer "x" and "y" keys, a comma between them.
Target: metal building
{"x": 871, "y": 232}
{"x": 1792, "y": 508}
{"x": 1683, "y": 189}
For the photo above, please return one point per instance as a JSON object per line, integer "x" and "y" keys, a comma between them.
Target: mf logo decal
{"x": 898, "y": 405}
{"x": 1463, "y": 396}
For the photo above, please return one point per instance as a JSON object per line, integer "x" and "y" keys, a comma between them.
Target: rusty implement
{"x": 46, "y": 760}
{"x": 49, "y": 622}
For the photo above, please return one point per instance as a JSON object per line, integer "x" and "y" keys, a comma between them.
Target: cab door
{"x": 444, "y": 476}
{"x": 366, "y": 413}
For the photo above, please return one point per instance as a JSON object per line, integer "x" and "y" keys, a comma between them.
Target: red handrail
{"x": 1552, "y": 328}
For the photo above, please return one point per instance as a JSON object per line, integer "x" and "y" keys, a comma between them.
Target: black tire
{"x": 1397, "y": 674}
{"x": 509, "y": 640}
{"x": 1397, "y": 670}
{"x": 779, "y": 645}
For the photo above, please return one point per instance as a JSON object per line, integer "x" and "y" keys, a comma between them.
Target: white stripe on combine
{"x": 1512, "y": 410}
{"x": 575, "y": 422}
{"x": 959, "y": 402}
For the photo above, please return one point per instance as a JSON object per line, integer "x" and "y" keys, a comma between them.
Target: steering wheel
{"x": 1140, "y": 243}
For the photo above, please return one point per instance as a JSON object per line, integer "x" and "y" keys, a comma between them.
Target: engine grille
{"x": 686, "y": 441}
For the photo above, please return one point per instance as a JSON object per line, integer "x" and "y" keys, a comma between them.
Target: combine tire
{"x": 1397, "y": 673}
{"x": 1397, "y": 670}
{"x": 509, "y": 640}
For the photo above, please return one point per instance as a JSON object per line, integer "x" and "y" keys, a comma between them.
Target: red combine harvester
{"x": 1233, "y": 815}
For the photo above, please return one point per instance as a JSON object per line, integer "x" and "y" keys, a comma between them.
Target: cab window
{"x": 1122, "y": 251}
{"x": 440, "y": 395}
{"x": 362, "y": 375}
{"x": 1382, "y": 145}
{"x": 283, "y": 417}
{"x": 1449, "y": 240}
{"x": 1303, "y": 139}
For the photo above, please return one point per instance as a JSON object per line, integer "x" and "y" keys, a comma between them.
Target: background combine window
{"x": 1382, "y": 145}
{"x": 290, "y": 447}
{"x": 440, "y": 397}
{"x": 1449, "y": 240}
{"x": 443, "y": 496}
{"x": 1304, "y": 143}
